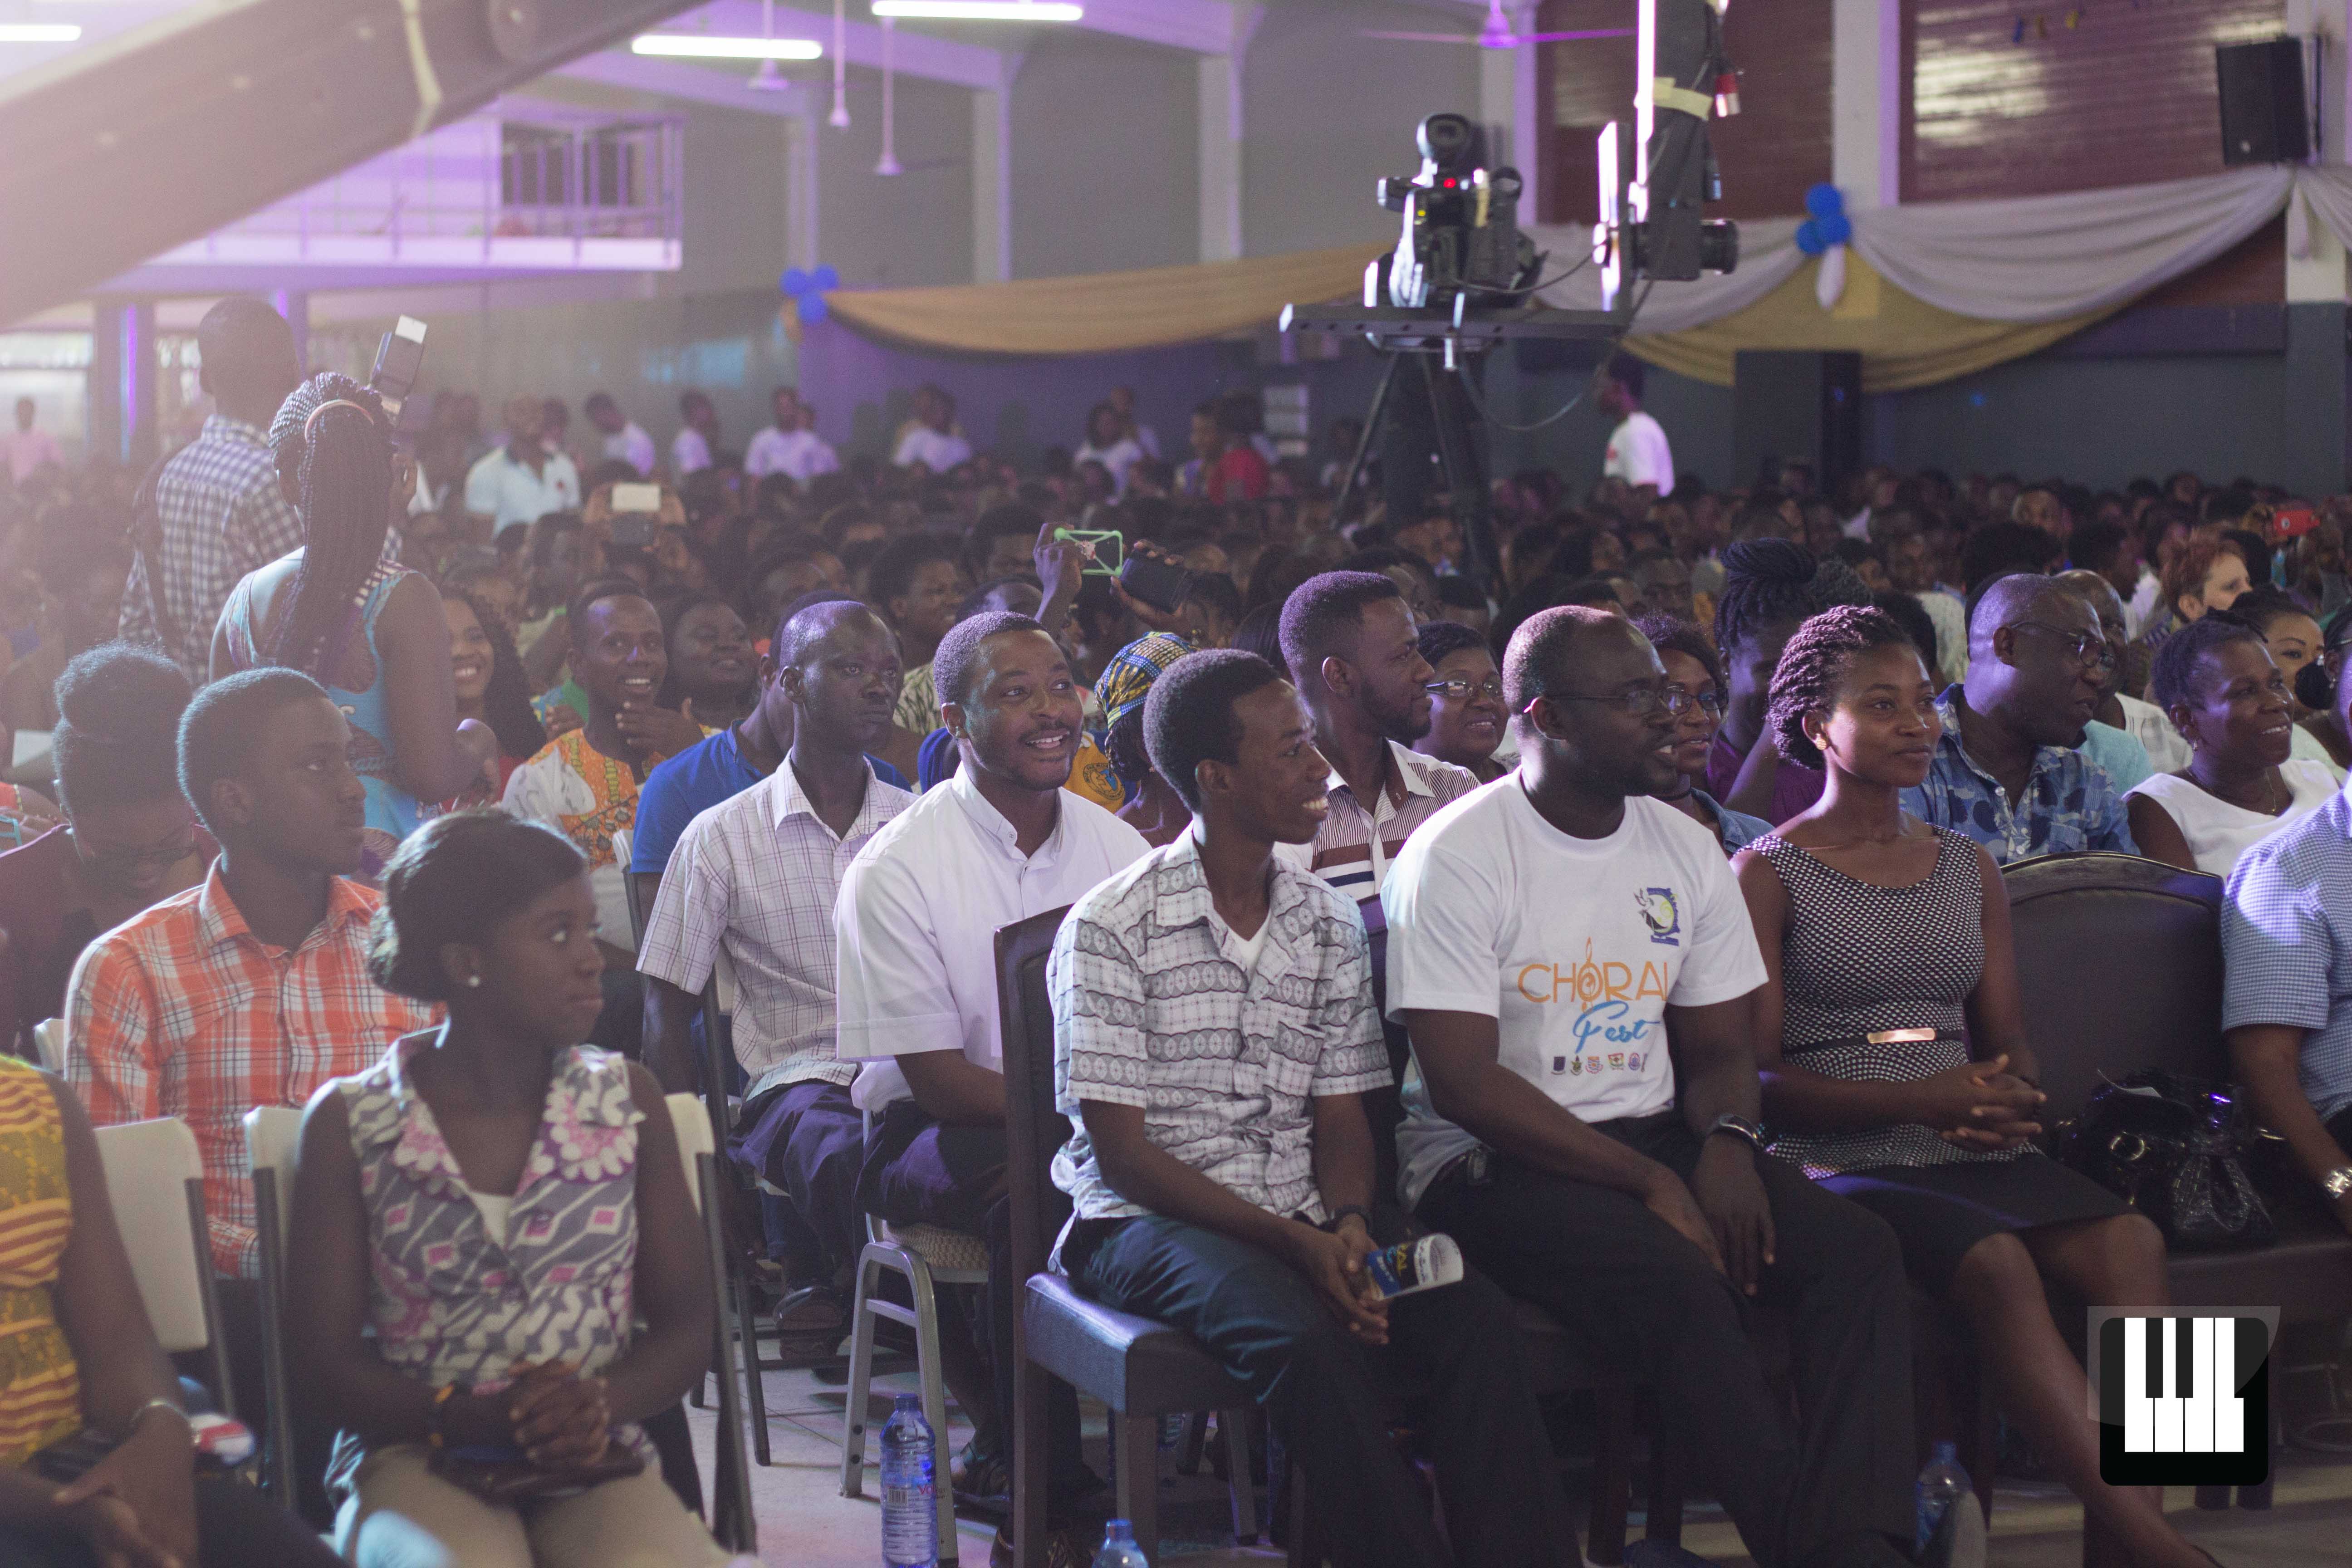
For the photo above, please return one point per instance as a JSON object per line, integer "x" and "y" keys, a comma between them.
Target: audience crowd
{"x": 1614, "y": 884}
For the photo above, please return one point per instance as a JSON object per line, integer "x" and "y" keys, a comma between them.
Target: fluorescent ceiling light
{"x": 699, "y": 46}
{"x": 981, "y": 10}
{"x": 38, "y": 33}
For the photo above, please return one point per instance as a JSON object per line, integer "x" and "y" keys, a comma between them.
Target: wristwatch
{"x": 1344, "y": 1211}
{"x": 1740, "y": 1127}
{"x": 2337, "y": 1183}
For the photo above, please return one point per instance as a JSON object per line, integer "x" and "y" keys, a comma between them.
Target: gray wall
{"x": 1104, "y": 177}
{"x": 901, "y": 233}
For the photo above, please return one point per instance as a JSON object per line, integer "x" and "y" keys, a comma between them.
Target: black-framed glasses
{"x": 2090, "y": 648}
{"x": 1640, "y": 701}
{"x": 1456, "y": 688}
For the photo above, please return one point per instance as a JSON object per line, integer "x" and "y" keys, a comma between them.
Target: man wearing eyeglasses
{"x": 2009, "y": 771}
{"x": 1562, "y": 931}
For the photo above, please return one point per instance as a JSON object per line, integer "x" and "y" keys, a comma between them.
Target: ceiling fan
{"x": 1497, "y": 35}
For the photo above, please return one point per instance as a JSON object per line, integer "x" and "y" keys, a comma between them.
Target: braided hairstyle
{"x": 344, "y": 460}
{"x": 1814, "y": 665}
{"x": 1768, "y": 582}
{"x": 2175, "y": 678}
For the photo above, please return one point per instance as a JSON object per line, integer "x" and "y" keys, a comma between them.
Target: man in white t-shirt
{"x": 521, "y": 481}
{"x": 931, "y": 439}
{"x": 1561, "y": 931}
{"x": 1638, "y": 452}
{"x": 625, "y": 440}
{"x": 690, "y": 449}
{"x": 916, "y": 926}
{"x": 791, "y": 446}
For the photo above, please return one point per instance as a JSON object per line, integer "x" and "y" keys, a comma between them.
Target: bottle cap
{"x": 1946, "y": 1453}
{"x": 1118, "y": 1530}
{"x": 914, "y": 1402}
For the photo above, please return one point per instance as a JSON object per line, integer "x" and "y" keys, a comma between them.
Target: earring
{"x": 472, "y": 980}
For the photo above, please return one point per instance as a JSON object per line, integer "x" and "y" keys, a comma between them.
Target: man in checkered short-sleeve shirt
{"x": 1215, "y": 1036}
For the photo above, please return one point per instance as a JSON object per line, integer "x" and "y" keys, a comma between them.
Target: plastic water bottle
{"x": 1118, "y": 1548}
{"x": 910, "y": 1512}
{"x": 1941, "y": 1484}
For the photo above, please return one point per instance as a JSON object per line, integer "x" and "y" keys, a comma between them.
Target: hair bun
{"x": 1835, "y": 583}
{"x": 1770, "y": 561}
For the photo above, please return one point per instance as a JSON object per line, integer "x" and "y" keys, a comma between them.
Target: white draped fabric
{"x": 2020, "y": 260}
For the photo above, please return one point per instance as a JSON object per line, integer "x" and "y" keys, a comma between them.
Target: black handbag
{"x": 2179, "y": 1150}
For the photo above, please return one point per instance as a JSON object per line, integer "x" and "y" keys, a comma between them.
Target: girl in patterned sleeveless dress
{"x": 343, "y": 611}
{"x": 66, "y": 1284}
{"x": 502, "y": 1207}
{"x": 1894, "y": 1050}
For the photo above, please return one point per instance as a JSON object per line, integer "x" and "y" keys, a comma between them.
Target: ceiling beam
{"x": 694, "y": 83}
{"x": 911, "y": 53}
{"x": 1201, "y": 26}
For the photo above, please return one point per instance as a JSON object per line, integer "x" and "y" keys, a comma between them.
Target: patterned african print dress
{"x": 40, "y": 1391}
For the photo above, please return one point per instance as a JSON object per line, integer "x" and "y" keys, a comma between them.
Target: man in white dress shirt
{"x": 1638, "y": 451}
{"x": 916, "y": 928}
{"x": 521, "y": 481}
{"x": 932, "y": 440}
{"x": 625, "y": 440}
{"x": 691, "y": 448}
{"x": 791, "y": 446}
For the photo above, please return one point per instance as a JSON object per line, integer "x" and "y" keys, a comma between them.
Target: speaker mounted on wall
{"x": 2265, "y": 117}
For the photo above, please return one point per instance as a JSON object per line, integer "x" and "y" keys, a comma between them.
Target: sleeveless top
{"x": 356, "y": 682}
{"x": 2218, "y": 832}
{"x": 40, "y": 1389}
{"x": 1858, "y": 959}
{"x": 450, "y": 1303}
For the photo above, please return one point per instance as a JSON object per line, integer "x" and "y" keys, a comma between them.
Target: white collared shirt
{"x": 631, "y": 444}
{"x": 508, "y": 492}
{"x": 933, "y": 449}
{"x": 689, "y": 452}
{"x": 758, "y": 875}
{"x": 1352, "y": 849}
{"x": 802, "y": 454}
{"x": 917, "y": 920}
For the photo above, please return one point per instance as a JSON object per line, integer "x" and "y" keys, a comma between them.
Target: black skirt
{"x": 1939, "y": 1212}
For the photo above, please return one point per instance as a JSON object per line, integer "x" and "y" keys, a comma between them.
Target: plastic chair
{"x": 49, "y": 1042}
{"x": 731, "y": 1518}
{"x": 170, "y": 1244}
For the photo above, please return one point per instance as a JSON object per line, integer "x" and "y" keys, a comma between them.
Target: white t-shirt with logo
{"x": 1638, "y": 454}
{"x": 1575, "y": 946}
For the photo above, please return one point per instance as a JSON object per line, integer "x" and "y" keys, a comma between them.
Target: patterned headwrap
{"x": 1127, "y": 679}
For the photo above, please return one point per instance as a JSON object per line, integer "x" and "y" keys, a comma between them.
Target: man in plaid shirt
{"x": 218, "y": 501}
{"x": 252, "y": 987}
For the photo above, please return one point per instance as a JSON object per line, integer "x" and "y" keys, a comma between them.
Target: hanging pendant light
{"x": 889, "y": 164}
{"x": 839, "y": 118}
{"x": 770, "y": 76}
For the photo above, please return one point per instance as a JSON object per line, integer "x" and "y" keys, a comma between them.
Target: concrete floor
{"x": 804, "y": 1522}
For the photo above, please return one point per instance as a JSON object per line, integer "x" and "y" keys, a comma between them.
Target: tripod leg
{"x": 1364, "y": 443}
{"x": 1466, "y": 474}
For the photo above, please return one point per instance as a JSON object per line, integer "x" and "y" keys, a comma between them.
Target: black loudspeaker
{"x": 2264, "y": 118}
{"x": 1796, "y": 407}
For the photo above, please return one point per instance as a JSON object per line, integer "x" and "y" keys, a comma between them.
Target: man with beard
{"x": 916, "y": 928}
{"x": 1350, "y": 640}
{"x": 756, "y": 877}
{"x": 1575, "y": 965}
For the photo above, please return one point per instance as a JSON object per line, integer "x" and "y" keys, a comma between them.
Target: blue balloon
{"x": 1836, "y": 229}
{"x": 1824, "y": 200}
{"x": 811, "y": 307}
{"x": 1809, "y": 238}
{"x": 795, "y": 281}
{"x": 827, "y": 278}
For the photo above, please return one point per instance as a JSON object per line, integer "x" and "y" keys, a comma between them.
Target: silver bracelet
{"x": 159, "y": 1403}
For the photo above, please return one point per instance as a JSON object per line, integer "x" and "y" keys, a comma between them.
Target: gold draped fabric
{"x": 1904, "y": 341}
{"x": 1098, "y": 312}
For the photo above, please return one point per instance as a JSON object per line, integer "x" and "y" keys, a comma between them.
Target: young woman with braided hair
{"x": 1770, "y": 588}
{"x": 1897, "y": 1066}
{"x": 342, "y": 610}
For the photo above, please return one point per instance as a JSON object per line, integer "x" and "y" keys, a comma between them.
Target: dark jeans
{"x": 917, "y": 1171}
{"x": 1633, "y": 1291}
{"x": 237, "y": 1527}
{"x": 808, "y": 1139}
{"x": 1328, "y": 1395}
{"x": 2339, "y": 1127}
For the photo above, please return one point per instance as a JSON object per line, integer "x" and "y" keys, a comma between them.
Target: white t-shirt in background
{"x": 1575, "y": 946}
{"x": 1639, "y": 454}
{"x": 802, "y": 454}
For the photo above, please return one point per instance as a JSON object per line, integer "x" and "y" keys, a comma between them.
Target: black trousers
{"x": 917, "y": 1171}
{"x": 1630, "y": 1289}
{"x": 808, "y": 1139}
{"x": 237, "y": 1527}
{"x": 1328, "y": 1395}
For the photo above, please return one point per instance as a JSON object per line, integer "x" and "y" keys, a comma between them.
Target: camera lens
{"x": 1718, "y": 247}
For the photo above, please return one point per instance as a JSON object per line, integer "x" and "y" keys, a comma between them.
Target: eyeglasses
{"x": 1642, "y": 700}
{"x": 2091, "y": 648}
{"x": 1456, "y": 688}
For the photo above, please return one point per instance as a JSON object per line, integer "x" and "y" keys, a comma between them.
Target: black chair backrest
{"x": 1034, "y": 1129}
{"x": 2119, "y": 964}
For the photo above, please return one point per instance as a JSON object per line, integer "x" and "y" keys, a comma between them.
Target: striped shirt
{"x": 758, "y": 875}
{"x": 1353, "y": 847}
{"x": 223, "y": 516}
{"x": 1157, "y": 1004}
{"x": 182, "y": 1011}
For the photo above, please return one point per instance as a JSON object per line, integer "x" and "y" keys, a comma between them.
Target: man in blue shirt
{"x": 2008, "y": 773}
{"x": 722, "y": 767}
{"x": 2286, "y": 945}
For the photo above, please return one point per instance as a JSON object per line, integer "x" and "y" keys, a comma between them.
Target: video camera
{"x": 1461, "y": 232}
{"x": 1653, "y": 188}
